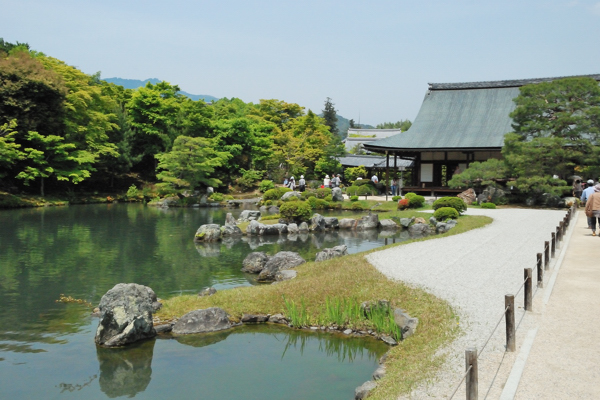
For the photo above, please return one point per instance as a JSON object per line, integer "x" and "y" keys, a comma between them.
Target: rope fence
{"x": 470, "y": 376}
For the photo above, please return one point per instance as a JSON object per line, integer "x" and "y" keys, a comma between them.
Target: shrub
{"x": 353, "y": 198}
{"x": 403, "y": 204}
{"x": 292, "y": 198}
{"x": 283, "y": 190}
{"x": 335, "y": 205}
{"x": 268, "y": 202}
{"x": 355, "y": 172}
{"x": 249, "y": 178}
{"x": 444, "y": 213}
{"x": 307, "y": 194}
{"x": 296, "y": 211}
{"x": 352, "y": 190}
{"x": 132, "y": 192}
{"x": 266, "y": 185}
{"x": 216, "y": 196}
{"x": 362, "y": 182}
{"x": 455, "y": 202}
{"x": 356, "y": 206}
{"x": 272, "y": 194}
{"x": 321, "y": 204}
{"x": 416, "y": 201}
{"x": 328, "y": 198}
{"x": 488, "y": 205}
{"x": 396, "y": 198}
{"x": 365, "y": 190}
{"x": 228, "y": 197}
{"x": 312, "y": 202}
{"x": 323, "y": 192}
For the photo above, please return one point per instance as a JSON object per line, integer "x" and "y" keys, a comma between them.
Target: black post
{"x": 540, "y": 271}
{"x": 553, "y": 248}
{"x": 471, "y": 380}
{"x": 528, "y": 290}
{"x": 509, "y": 305}
{"x": 546, "y": 255}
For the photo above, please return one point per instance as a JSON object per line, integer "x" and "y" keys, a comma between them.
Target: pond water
{"x": 47, "y": 348}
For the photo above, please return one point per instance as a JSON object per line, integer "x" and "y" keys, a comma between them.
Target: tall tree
{"x": 403, "y": 125}
{"x": 330, "y": 116}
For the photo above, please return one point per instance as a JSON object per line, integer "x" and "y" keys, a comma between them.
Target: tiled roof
{"x": 373, "y": 162}
{"x": 501, "y": 84}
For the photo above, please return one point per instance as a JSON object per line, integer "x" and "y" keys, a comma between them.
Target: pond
{"x": 83, "y": 251}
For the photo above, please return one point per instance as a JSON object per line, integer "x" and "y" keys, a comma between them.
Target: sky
{"x": 374, "y": 59}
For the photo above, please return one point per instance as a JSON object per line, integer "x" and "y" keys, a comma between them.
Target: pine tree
{"x": 330, "y": 116}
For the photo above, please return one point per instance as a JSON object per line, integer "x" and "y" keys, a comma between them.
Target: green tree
{"x": 403, "y": 125}
{"x": 330, "y": 116}
{"x": 190, "y": 163}
{"x": 9, "y": 150}
{"x": 480, "y": 174}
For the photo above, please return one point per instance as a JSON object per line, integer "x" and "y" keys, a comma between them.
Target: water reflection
{"x": 125, "y": 371}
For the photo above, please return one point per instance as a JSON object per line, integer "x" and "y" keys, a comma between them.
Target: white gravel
{"x": 473, "y": 271}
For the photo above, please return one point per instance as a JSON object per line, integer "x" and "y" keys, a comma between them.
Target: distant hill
{"x": 343, "y": 124}
{"x": 136, "y": 83}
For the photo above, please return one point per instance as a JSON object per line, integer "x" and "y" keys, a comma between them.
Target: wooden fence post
{"x": 540, "y": 271}
{"x": 559, "y": 231}
{"x": 546, "y": 255}
{"x": 472, "y": 379}
{"x": 509, "y": 305}
{"x": 564, "y": 228}
{"x": 528, "y": 290}
{"x": 553, "y": 248}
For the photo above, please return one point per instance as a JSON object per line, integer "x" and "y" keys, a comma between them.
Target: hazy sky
{"x": 373, "y": 58}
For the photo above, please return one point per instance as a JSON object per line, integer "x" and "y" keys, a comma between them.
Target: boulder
{"x": 292, "y": 229}
{"x": 274, "y": 210}
{"x": 285, "y": 275}
{"x": 208, "y": 233}
{"x": 333, "y": 252}
{"x": 263, "y": 209}
{"x": 347, "y": 223}
{"x": 405, "y": 222}
{"x": 388, "y": 224}
{"x": 231, "y": 230}
{"x": 331, "y": 223}
{"x": 198, "y": 321}
{"x": 229, "y": 220}
{"x": 492, "y": 194}
{"x": 252, "y": 318}
{"x": 208, "y": 292}
{"x": 249, "y": 215}
{"x": 287, "y": 195}
{"x": 210, "y": 190}
{"x": 420, "y": 220}
{"x": 278, "y": 319}
{"x": 317, "y": 223}
{"x": 255, "y": 262}
{"x": 390, "y": 341}
{"x": 405, "y": 322}
{"x": 303, "y": 227}
{"x": 280, "y": 261}
{"x": 379, "y": 373}
{"x": 468, "y": 196}
{"x": 551, "y": 200}
{"x": 170, "y": 201}
{"x": 419, "y": 229}
{"x": 433, "y": 221}
{"x": 269, "y": 229}
{"x": 253, "y": 228}
{"x": 363, "y": 390}
{"x": 370, "y": 221}
{"x": 442, "y": 227}
{"x": 336, "y": 194}
{"x": 126, "y": 315}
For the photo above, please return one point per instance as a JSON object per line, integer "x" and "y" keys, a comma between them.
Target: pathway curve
{"x": 473, "y": 271}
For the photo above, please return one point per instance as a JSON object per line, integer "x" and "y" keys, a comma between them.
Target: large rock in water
{"x": 249, "y": 215}
{"x": 126, "y": 315}
{"x": 255, "y": 262}
{"x": 281, "y": 260}
{"x": 331, "y": 223}
{"x": 370, "y": 221}
{"x": 208, "y": 233}
{"x": 198, "y": 321}
{"x": 347, "y": 223}
{"x": 336, "y": 194}
{"x": 333, "y": 252}
{"x": 317, "y": 223}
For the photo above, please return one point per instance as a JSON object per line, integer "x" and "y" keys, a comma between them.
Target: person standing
{"x": 302, "y": 183}
{"x": 375, "y": 179}
{"x": 394, "y": 186}
{"x": 577, "y": 189}
{"x": 592, "y": 208}
{"x": 326, "y": 181}
{"x": 292, "y": 184}
{"x": 587, "y": 192}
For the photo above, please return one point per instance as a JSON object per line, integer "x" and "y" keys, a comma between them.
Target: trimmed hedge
{"x": 488, "y": 205}
{"x": 353, "y": 198}
{"x": 352, "y": 190}
{"x": 266, "y": 185}
{"x": 323, "y": 192}
{"x": 444, "y": 213}
{"x": 365, "y": 190}
{"x": 396, "y": 198}
{"x": 455, "y": 202}
{"x": 416, "y": 201}
{"x": 308, "y": 194}
{"x": 297, "y": 211}
{"x": 362, "y": 182}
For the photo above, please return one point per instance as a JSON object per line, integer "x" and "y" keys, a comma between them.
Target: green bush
{"x": 132, "y": 192}
{"x": 396, "y": 198}
{"x": 266, "y": 185}
{"x": 365, "y": 190}
{"x": 356, "y": 206}
{"x": 249, "y": 178}
{"x": 353, "y": 198}
{"x": 488, "y": 205}
{"x": 335, "y": 205}
{"x": 216, "y": 196}
{"x": 312, "y": 202}
{"x": 455, "y": 202}
{"x": 352, "y": 190}
{"x": 416, "y": 201}
{"x": 444, "y": 213}
{"x": 283, "y": 190}
{"x": 323, "y": 192}
{"x": 307, "y": 194}
{"x": 321, "y": 204}
{"x": 292, "y": 198}
{"x": 268, "y": 202}
{"x": 272, "y": 194}
{"x": 297, "y": 211}
{"x": 362, "y": 182}
{"x": 328, "y": 198}
{"x": 228, "y": 197}
{"x": 355, "y": 172}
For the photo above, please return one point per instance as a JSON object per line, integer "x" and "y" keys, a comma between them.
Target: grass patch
{"x": 317, "y": 296}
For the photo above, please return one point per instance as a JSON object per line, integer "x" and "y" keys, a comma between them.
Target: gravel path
{"x": 473, "y": 271}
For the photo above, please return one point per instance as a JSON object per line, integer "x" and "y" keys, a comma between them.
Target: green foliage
{"x": 455, "y": 202}
{"x": 416, "y": 201}
{"x": 365, "y": 190}
{"x": 357, "y": 206}
{"x": 266, "y": 185}
{"x": 307, "y": 194}
{"x": 353, "y": 198}
{"x": 404, "y": 125}
{"x": 396, "y": 198}
{"x": 9, "y": 151}
{"x": 297, "y": 314}
{"x": 321, "y": 204}
{"x": 214, "y": 196}
{"x": 292, "y": 198}
{"x": 249, "y": 178}
{"x": 352, "y": 190}
{"x": 350, "y": 174}
{"x": 488, "y": 205}
{"x": 330, "y": 116}
{"x": 321, "y": 193}
{"x": 444, "y": 213}
{"x": 328, "y": 198}
{"x": 383, "y": 321}
{"x": 297, "y": 211}
{"x": 272, "y": 194}
{"x": 132, "y": 192}
{"x": 312, "y": 202}
{"x": 480, "y": 174}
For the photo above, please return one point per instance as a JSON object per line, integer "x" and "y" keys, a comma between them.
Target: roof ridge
{"x": 504, "y": 83}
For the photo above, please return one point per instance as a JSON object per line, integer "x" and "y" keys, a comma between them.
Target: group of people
{"x": 591, "y": 197}
{"x": 333, "y": 182}
{"x": 291, "y": 183}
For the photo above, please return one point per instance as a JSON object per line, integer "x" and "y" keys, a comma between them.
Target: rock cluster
{"x": 275, "y": 268}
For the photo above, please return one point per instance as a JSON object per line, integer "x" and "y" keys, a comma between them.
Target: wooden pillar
{"x": 396, "y": 175}
{"x": 509, "y": 305}
{"x": 528, "y": 290}
{"x": 387, "y": 174}
{"x": 472, "y": 379}
{"x": 540, "y": 271}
